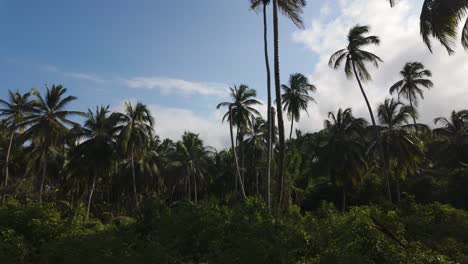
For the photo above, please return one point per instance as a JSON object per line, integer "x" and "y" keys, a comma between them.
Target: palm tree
{"x": 240, "y": 114}
{"x": 257, "y": 144}
{"x": 455, "y": 130}
{"x": 48, "y": 123}
{"x": 14, "y": 113}
{"x": 403, "y": 149}
{"x": 293, "y": 10}
{"x": 343, "y": 151}
{"x": 193, "y": 157}
{"x": 355, "y": 59}
{"x": 136, "y": 130}
{"x": 96, "y": 152}
{"x": 412, "y": 83}
{"x": 255, "y": 5}
{"x": 296, "y": 97}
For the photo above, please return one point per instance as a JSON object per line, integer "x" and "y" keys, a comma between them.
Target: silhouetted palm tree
{"x": 48, "y": 123}
{"x": 136, "y": 130}
{"x": 343, "y": 151}
{"x": 412, "y": 83}
{"x": 293, "y": 10}
{"x": 255, "y": 4}
{"x": 16, "y": 108}
{"x": 403, "y": 149}
{"x": 296, "y": 97}
{"x": 355, "y": 65}
{"x": 455, "y": 130}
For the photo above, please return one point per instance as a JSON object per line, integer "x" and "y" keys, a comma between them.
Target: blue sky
{"x": 179, "y": 57}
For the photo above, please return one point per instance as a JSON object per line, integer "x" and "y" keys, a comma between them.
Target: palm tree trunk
{"x": 91, "y": 196}
{"x": 189, "y": 186}
{"x": 412, "y": 108}
{"x": 241, "y": 153}
{"x": 134, "y": 178}
{"x": 292, "y": 125}
{"x": 269, "y": 115}
{"x": 8, "y": 159}
{"x": 397, "y": 190}
{"x": 195, "y": 187}
{"x": 44, "y": 173}
{"x": 235, "y": 154}
{"x": 377, "y": 135}
{"x": 279, "y": 111}
{"x": 343, "y": 198}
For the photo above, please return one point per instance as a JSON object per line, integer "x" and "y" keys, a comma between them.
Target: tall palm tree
{"x": 136, "y": 130}
{"x": 296, "y": 97}
{"x": 14, "y": 112}
{"x": 240, "y": 114}
{"x": 293, "y": 10}
{"x": 96, "y": 152}
{"x": 48, "y": 123}
{"x": 255, "y": 5}
{"x": 413, "y": 81}
{"x": 403, "y": 149}
{"x": 343, "y": 151}
{"x": 355, "y": 59}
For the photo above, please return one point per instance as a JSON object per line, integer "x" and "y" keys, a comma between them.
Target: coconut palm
{"x": 410, "y": 87}
{"x": 96, "y": 151}
{"x": 293, "y": 10}
{"x": 355, "y": 59}
{"x": 14, "y": 112}
{"x": 48, "y": 124}
{"x": 296, "y": 97}
{"x": 240, "y": 114}
{"x": 455, "y": 131}
{"x": 136, "y": 130}
{"x": 255, "y": 4}
{"x": 342, "y": 152}
{"x": 403, "y": 149}
{"x": 257, "y": 145}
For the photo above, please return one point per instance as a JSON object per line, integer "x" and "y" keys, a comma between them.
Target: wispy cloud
{"x": 74, "y": 75}
{"x": 170, "y": 85}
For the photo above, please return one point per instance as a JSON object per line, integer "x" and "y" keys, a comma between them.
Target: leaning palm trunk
{"x": 7, "y": 164}
{"x": 269, "y": 115}
{"x": 292, "y": 126}
{"x": 235, "y": 154}
{"x": 135, "y": 195}
{"x": 91, "y": 192}
{"x": 377, "y": 135}
{"x": 279, "y": 111}
{"x": 412, "y": 108}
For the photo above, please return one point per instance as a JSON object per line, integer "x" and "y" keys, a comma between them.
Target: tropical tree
{"x": 14, "y": 111}
{"x": 136, "y": 129}
{"x": 402, "y": 148}
{"x": 255, "y": 4}
{"x": 257, "y": 145}
{"x": 240, "y": 114}
{"x": 96, "y": 151}
{"x": 342, "y": 152}
{"x": 355, "y": 59}
{"x": 296, "y": 97}
{"x": 410, "y": 87}
{"x": 455, "y": 131}
{"x": 48, "y": 124}
{"x": 293, "y": 10}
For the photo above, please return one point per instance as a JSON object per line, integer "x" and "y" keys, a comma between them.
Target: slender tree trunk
{"x": 343, "y": 198}
{"x": 279, "y": 111}
{"x": 292, "y": 126}
{"x": 377, "y": 135}
{"x": 397, "y": 190}
{"x": 414, "y": 112}
{"x": 93, "y": 185}
{"x": 241, "y": 154}
{"x": 189, "y": 186}
{"x": 235, "y": 154}
{"x": 7, "y": 165}
{"x": 134, "y": 178}
{"x": 195, "y": 188}
{"x": 256, "y": 180}
{"x": 44, "y": 173}
{"x": 269, "y": 115}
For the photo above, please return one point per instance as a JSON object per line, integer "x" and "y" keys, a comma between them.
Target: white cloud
{"x": 84, "y": 76}
{"x": 169, "y": 86}
{"x": 398, "y": 29}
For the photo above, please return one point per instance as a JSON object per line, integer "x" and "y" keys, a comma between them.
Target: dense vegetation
{"x": 110, "y": 190}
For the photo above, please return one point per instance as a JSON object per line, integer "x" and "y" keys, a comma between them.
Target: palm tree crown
{"x": 243, "y": 100}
